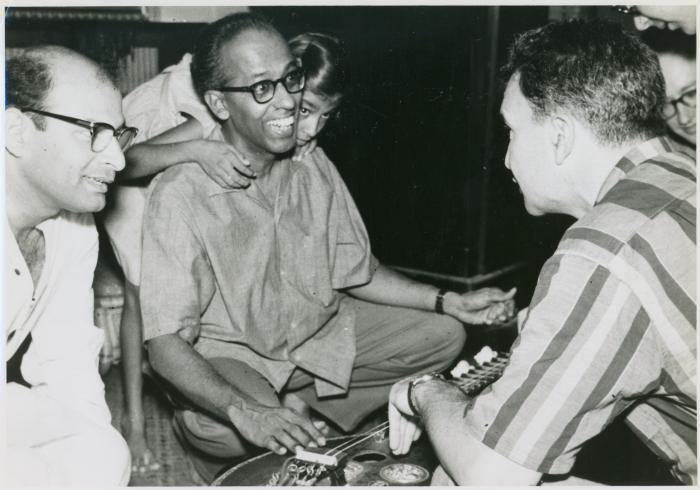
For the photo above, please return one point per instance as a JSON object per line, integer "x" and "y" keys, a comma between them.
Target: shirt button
{"x": 17, "y": 271}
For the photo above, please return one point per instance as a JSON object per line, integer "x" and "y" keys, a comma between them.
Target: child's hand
{"x": 224, "y": 164}
{"x": 301, "y": 151}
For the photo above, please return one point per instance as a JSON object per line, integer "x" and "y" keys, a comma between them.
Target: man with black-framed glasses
{"x": 64, "y": 137}
{"x": 270, "y": 294}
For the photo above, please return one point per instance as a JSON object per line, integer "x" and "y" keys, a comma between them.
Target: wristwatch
{"x": 415, "y": 382}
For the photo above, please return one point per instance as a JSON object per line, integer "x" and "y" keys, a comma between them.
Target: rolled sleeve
{"x": 177, "y": 282}
{"x": 352, "y": 261}
{"x": 578, "y": 363}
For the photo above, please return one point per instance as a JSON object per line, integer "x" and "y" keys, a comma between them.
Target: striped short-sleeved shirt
{"x": 611, "y": 328}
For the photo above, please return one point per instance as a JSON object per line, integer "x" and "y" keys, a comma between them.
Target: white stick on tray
{"x": 311, "y": 457}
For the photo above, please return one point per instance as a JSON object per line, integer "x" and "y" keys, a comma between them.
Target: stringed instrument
{"x": 357, "y": 460}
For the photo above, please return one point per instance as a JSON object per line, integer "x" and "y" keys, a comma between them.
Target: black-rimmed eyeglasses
{"x": 686, "y": 99}
{"x": 101, "y": 133}
{"x": 264, "y": 90}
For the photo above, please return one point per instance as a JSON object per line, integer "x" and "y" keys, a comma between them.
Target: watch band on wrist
{"x": 439, "y": 300}
{"x": 415, "y": 382}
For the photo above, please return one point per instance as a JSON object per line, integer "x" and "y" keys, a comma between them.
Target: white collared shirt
{"x": 62, "y": 360}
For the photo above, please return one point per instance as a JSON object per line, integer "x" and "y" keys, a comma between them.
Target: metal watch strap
{"x": 414, "y": 382}
{"x": 439, "y": 299}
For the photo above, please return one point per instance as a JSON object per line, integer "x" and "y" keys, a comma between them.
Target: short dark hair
{"x": 324, "y": 61}
{"x": 206, "y": 69}
{"x": 594, "y": 70}
{"x": 28, "y": 82}
{"x": 29, "y": 77}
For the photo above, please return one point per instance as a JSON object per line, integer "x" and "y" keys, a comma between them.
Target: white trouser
{"x": 50, "y": 444}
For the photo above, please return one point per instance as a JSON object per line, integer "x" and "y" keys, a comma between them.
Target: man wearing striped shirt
{"x": 610, "y": 330}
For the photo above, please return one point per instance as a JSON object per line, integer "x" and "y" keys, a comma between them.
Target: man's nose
{"x": 686, "y": 115}
{"x": 284, "y": 99}
{"x": 114, "y": 155}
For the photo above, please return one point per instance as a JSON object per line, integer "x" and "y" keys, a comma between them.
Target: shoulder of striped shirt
{"x": 610, "y": 225}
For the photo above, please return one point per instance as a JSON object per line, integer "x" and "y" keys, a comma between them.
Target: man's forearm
{"x": 182, "y": 366}
{"x": 391, "y": 288}
{"x": 466, "y": 460}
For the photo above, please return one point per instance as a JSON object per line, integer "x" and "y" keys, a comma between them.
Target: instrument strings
{"x": 362, "y": 437}
{"x": 473, "y": 380}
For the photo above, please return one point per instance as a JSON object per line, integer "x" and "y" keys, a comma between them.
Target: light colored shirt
{"x": 166, "y": 101}
{"x": 62, "y": 359}
{"x": 243, "y": 275}
{"x": 611, "y": 329}
{"x": 154, "y": 107}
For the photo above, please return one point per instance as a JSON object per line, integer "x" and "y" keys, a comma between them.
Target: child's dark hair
{"x": 323, "y": 59}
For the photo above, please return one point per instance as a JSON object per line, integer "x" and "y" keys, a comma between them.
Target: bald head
{"x": 35, "y": 72}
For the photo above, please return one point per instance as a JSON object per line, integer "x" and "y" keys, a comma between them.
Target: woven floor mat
{"x": 175, "y": 467}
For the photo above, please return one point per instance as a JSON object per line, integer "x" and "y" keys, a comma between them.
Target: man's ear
{"x": 562, "y": 134}
{"x": 217, "y": 103}
{"x": 16, "y": 131}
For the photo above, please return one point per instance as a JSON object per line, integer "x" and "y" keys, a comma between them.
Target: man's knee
{"x": 114, "y": 448}
{"x": 106, "y": 459}
{"x": 447, "y": 336}
{"x": 209, "y": 435}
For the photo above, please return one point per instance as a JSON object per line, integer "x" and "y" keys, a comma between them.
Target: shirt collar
{"x": 637, "y": 155}
{"x": 252, "y": 190}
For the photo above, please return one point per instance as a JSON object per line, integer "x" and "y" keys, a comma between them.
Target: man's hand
{"x": 224, "y": 164}
{"x": 279, "y": 429}
{"x": 404, "y": 426}
{"x": 484, "y": 306}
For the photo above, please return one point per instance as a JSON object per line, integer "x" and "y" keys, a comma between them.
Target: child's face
{"x": 315, "y": 111}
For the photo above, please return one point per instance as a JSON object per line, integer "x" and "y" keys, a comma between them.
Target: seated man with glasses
{"x": 64, "y": 137}
{"x": 252, "y": 299}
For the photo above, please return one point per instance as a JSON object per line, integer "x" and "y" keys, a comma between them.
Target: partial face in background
{"x": 530, "y": 156}
{"x": 666, "y": 17}
{"x": 679, "y": 74}
{"x": 62, "y": 167}
{"x": 262, "y": 129}
{"x": 315, "y": 111}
